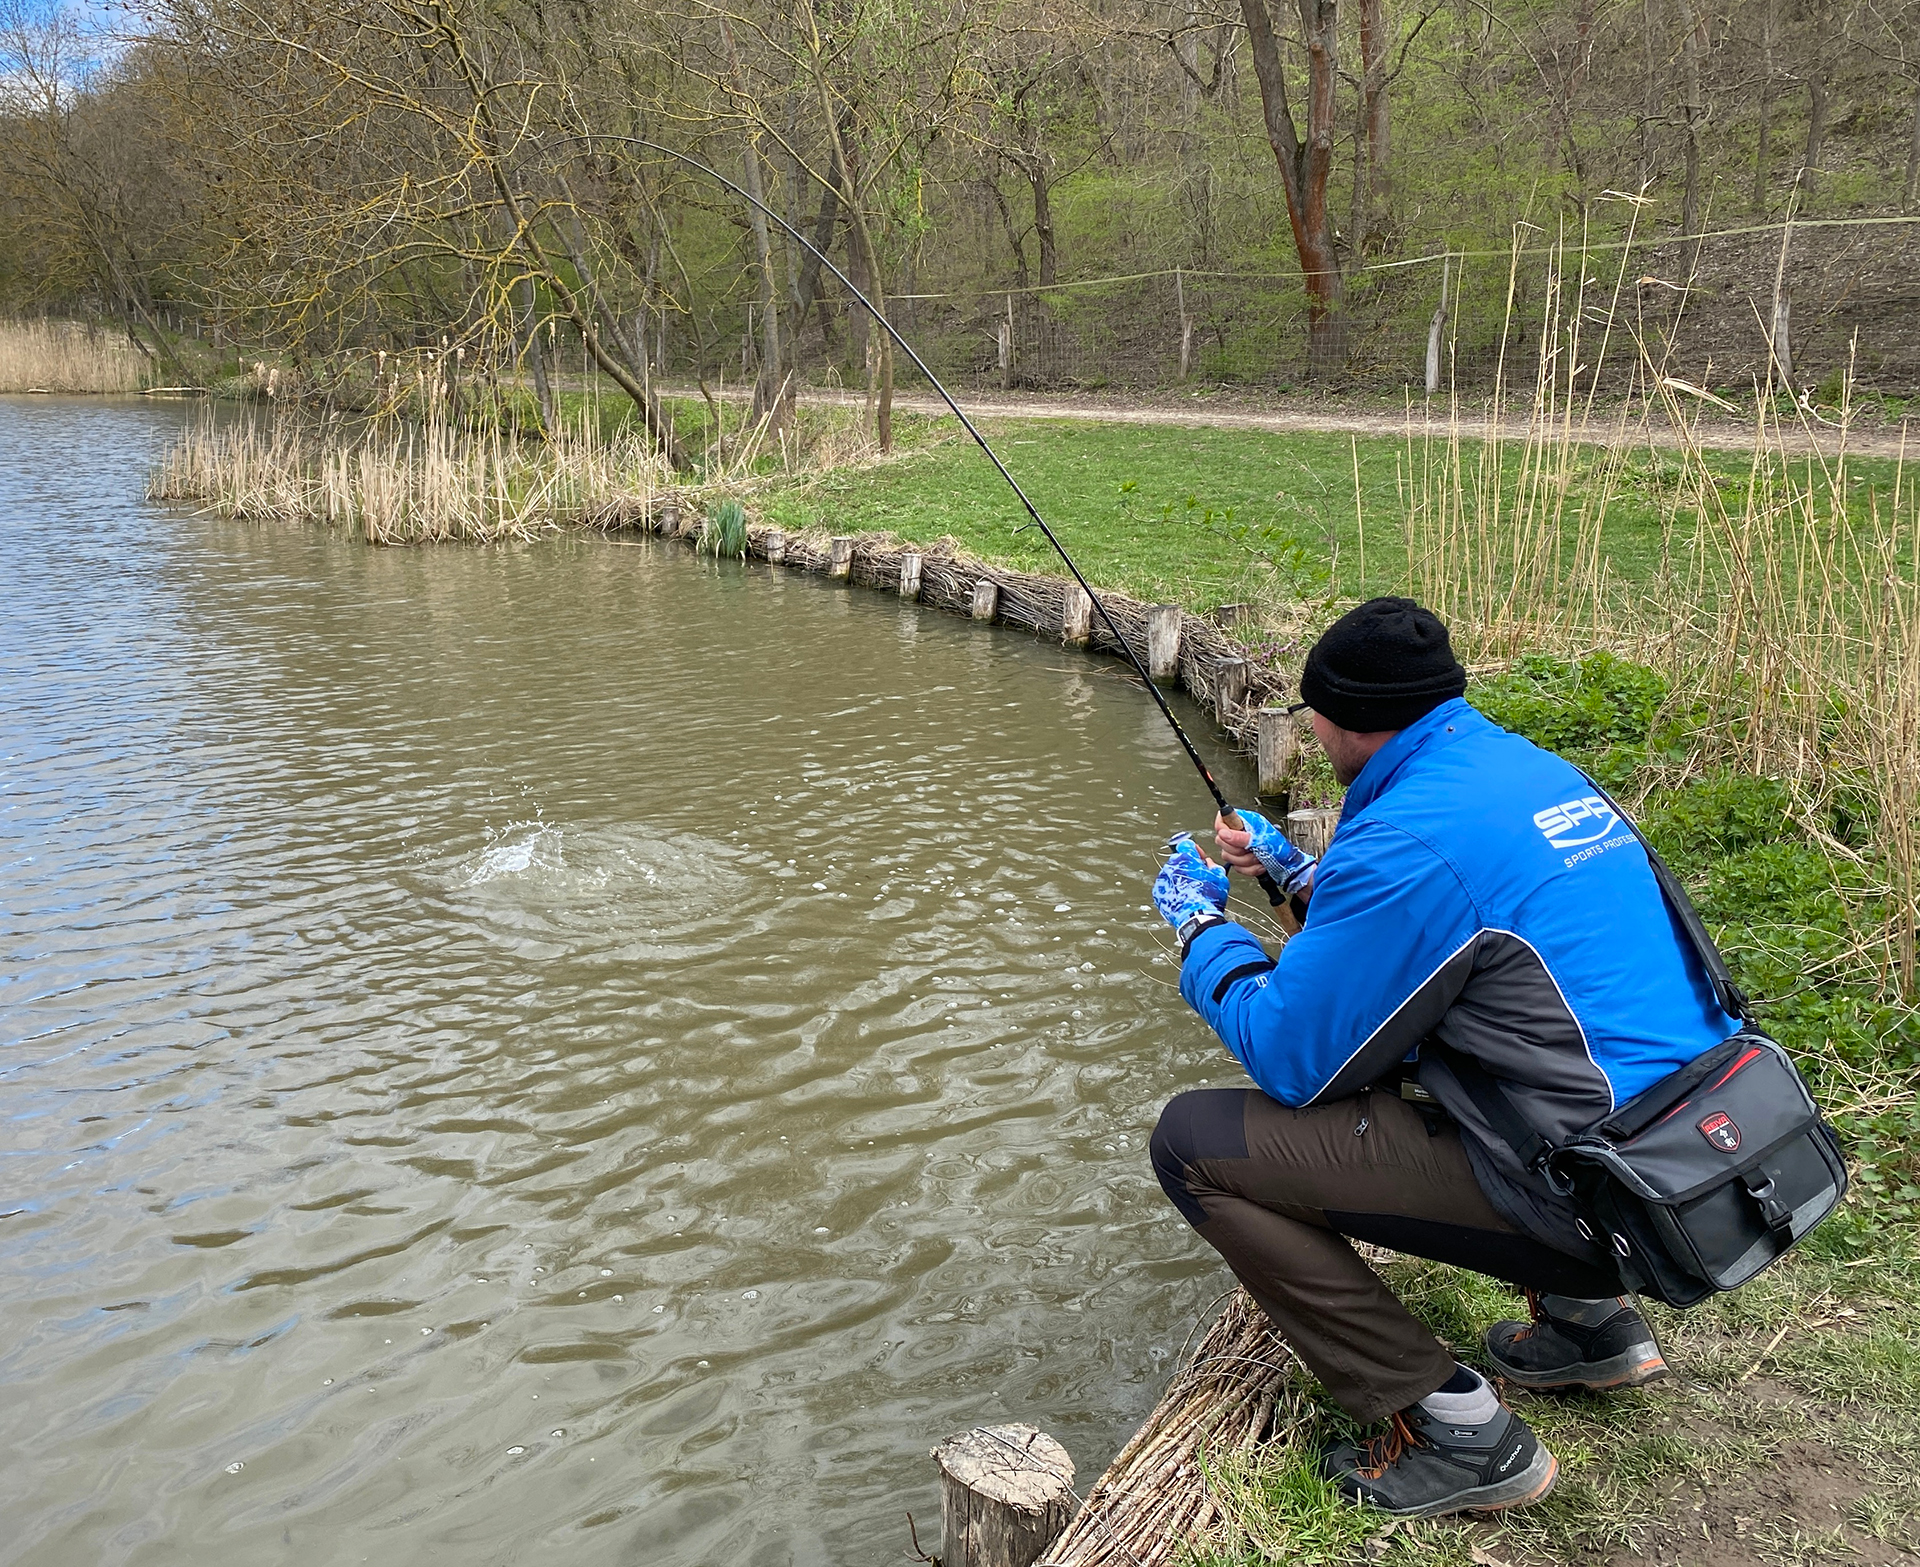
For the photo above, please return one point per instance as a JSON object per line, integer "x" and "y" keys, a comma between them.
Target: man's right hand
{"x": 1261, "y": 846}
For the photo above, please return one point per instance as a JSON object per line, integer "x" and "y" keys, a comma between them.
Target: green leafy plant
{"x": 723, "y": 531}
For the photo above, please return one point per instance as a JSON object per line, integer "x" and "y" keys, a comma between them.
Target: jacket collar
{"x": 1451, "y": 721}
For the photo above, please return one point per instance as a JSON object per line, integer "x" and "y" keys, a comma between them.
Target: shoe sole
{"x": 1528, "y": 1486}
{"x": 1634, "y": 1367}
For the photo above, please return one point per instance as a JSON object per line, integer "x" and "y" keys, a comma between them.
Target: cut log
{"x": 910, "y": 564}
{"x": 776, "y": 546}
{"x": 1279, "y": 750}
{"x": 1229, "y": 688}
{"x": 1006, "y": 1493}
{"x": 840, "y": 557}
{"x": 1163, "y": 641}
{"x": 1076, "y": 617}
{"x": 986, "y": 598}
{"x": 1312, "y": 829}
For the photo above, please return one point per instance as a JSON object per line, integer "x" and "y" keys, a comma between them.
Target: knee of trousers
{"x": 1204, "y": 1123}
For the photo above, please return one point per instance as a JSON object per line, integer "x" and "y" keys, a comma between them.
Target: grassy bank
{"x": 67, "y": 356}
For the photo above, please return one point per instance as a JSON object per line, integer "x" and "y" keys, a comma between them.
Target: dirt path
{"x": 1247, "y": 411}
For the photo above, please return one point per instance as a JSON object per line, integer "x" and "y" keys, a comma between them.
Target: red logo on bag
{"x": 1719, "y": 1130}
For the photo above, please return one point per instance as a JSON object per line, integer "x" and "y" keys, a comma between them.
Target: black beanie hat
{"x": 1381, "y": 666}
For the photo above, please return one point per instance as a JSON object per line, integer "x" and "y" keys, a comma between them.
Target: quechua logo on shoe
{"x": 1719, "y": 1130}
{"x": 1572, "y": 823}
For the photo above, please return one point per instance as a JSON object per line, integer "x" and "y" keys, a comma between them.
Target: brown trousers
{"x": 1277, "y": 1192}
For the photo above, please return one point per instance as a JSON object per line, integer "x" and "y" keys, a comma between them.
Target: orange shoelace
{"x": 1535, "y": 1311}
{"x": 1381, "y": 1451}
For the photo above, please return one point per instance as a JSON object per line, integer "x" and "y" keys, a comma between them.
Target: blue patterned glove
{"x": 1188, "y": 886}
{"x": 1281, "y": 858}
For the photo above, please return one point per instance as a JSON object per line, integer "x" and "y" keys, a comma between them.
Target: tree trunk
{"x": 773, "y": 387}
{"x": 1043, "y": 219}
{"x": 1305, "y": 165}
{"x": 536, "y": 356}
{"x": 1762, "y": 152}
{"x": 1693, "y": 45}
{"x": 1913, "y": 156}
{"x": 1370, "y": 178}
{"x": 1816, "y": 121}
{"x": 1647, "y": 94}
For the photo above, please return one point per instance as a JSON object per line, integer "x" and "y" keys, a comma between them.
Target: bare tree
{"x": 1306, "y": 164}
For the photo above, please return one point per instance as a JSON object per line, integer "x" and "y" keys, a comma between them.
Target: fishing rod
{"x": 1227, "y": 813}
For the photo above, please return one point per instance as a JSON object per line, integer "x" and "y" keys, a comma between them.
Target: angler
{"x": 1501, "y": 1040}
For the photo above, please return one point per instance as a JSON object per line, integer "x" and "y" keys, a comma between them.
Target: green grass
{"x": 1843, "y": 1384}
{"x": 1200, "y": 516}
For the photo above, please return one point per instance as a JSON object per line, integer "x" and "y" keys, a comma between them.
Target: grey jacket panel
{"x": 1511, "y": 1017}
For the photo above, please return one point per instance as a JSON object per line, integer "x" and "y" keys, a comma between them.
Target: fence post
{"x": 776, "y": 546}
{"x": 1436, "y": 328}
{"x": 840, "y": 557}
{"x": 1005, "y": 333}
{"x": 1311, "y": 829}
{"x": 986, "y": 598}
{"x": 1006, "y": 1493}
{"x": 910, "y": 564}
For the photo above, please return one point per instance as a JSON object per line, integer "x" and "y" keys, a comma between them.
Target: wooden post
{"x": 840, "y": 557}
{"x": 910, "y": 564}
{"x": 1228, "y": 615}
{"x": 986, "y": 598}
{"x": 1229, "y": 687}
{"x": 1006, "y": 1494}
{"x": 776, "y": 546}
{"x": 1436, "y": 328}
{"x": 668, "y": 516}
{"x": 1076, "y": 616}
{"x": 1312, "y": 829}
{"x": 1163, "y": 641}
{"x": 1279, "y": 749}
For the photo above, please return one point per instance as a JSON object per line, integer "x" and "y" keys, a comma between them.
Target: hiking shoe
{"x": 1553, "y": 1352}
{"x": 1423, "y": 1467}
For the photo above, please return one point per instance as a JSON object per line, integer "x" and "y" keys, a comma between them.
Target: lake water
{"x": 566, "y": 1052}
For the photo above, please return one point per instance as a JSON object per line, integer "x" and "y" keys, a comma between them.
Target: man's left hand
{"x": 1189, "y": 884}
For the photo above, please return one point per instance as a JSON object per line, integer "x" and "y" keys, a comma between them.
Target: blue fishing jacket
{"x": 1478, "y": 890}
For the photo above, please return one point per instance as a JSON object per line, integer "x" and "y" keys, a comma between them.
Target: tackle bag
{"x": 1699, "y": 1182}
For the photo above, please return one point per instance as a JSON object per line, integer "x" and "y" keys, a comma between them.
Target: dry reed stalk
{"x": 67, "y": 356}
{"x": 1154, "y": 1501}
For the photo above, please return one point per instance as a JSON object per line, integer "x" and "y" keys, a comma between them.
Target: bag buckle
{"x": 1778, "y": 1216}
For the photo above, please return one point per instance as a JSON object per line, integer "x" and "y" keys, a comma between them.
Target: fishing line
{"x": 1227, "y": 812}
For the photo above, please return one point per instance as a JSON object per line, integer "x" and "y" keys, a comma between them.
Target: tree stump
{"x": 1006, "y": 1494}
{"x": 910, "y": 564}
{"x": 1163, "y": 641}
{"x": 840, "y": 557}
{"x": 1076, "y": 616}
{"x": 776, "y": 546}
{"x": 986, "y": 598}
{"x": 1279, "y": 750}
{"x": 1229, "y": 687}
{"x": 1312, "y": 829}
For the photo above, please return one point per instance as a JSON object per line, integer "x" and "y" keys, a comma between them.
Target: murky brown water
{"x": 568, "y": 1051}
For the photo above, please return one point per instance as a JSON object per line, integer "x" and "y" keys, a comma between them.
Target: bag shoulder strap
{"x": 1491, "y": 1100}
{"x": 1731, "y": 998}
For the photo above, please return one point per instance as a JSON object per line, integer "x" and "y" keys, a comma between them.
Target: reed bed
{"x": 393, "y": 482}
{"x": 1784, "y": 613}
{"x": 67, "y": 356}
